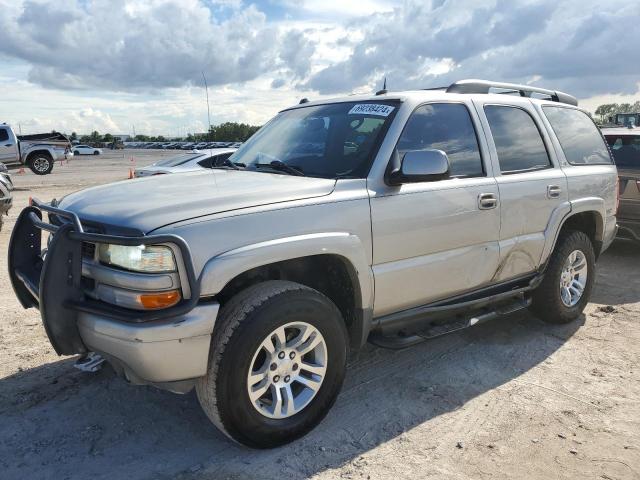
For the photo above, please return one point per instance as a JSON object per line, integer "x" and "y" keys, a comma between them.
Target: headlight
{"x": 141, "y": 258}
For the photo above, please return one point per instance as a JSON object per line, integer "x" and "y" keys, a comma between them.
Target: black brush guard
{"x": 54, "y": 285}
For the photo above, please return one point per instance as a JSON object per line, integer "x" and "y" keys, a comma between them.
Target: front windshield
{"x": 328, "y": 141}
{"x": 178, "y": 160}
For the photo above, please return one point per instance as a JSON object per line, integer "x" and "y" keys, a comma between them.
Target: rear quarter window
{"x": 579, "y": 137}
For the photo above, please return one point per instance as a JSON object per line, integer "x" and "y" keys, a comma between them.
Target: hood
{"x": 146, "y": 204}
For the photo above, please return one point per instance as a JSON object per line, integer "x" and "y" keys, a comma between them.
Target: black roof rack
{"x": 484, "y": 86}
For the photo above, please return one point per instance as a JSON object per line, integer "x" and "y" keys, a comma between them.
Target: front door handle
{"x": 487, "y": 201}
{"x": 553, "y": 191}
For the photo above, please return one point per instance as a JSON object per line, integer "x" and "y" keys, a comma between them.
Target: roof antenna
{"x": 384, "y": 88}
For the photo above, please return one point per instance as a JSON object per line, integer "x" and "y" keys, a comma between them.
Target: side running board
{"x": 434, "y": 328}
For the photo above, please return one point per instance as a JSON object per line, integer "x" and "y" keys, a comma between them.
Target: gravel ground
{"x": 515, "y": 398}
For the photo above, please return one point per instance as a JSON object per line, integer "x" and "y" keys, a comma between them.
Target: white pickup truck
{"x": 39, "y": 152}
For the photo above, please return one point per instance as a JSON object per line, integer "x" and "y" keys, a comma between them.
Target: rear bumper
{"x": 147, "y": 346}
{"x": 629, "y": 229}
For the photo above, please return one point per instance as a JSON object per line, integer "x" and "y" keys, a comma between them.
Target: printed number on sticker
{"x": 371, "y": 109}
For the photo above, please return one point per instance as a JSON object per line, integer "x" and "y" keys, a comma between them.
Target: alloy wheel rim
{"x": 287, "y": 370}
{"x": 573, "y": 278}
{"x": 40, "y": 164}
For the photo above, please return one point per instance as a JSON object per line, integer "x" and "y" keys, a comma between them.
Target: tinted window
{"x": 4, "y": 135}
{"x": 579, "y": 137}
{"x": 626, "y": 150}
{"x": 221, "y": 159}
{"x": 518, "y": 141}
{"x": 446, "y": 127}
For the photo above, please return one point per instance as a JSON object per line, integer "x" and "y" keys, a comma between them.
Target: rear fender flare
{"x": 565, "y": 211}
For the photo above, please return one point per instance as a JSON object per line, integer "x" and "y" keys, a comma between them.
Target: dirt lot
{"x": 510, "y": 399}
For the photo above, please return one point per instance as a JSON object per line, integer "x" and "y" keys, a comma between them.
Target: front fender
{"x": 221, "y": 269}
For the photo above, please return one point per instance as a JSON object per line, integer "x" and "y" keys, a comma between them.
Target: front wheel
{"x": 41, "y": 164}
{"x": 277, "y": 363}
{"x": 568, "y": 280}
{"x": 96, "y": 152}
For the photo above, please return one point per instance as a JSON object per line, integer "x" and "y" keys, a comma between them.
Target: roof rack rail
{"x": 484, "y": 86}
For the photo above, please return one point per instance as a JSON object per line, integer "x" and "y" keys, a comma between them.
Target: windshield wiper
{"x": 281, "y": 167}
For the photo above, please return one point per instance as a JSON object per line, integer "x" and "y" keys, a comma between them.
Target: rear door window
{"x": 518, "y": 141}
{"x": 625, "y": 149}
{"x": 4, "y": 135}
{"x": 579, "y": 137}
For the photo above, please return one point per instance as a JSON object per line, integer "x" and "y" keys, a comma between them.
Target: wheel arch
{"x": 333, "y": 263}
{"x": 40, "y": 151}
{"x": 585, "y": 215}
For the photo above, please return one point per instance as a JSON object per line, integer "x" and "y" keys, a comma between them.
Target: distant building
{"x": 123, "y": 138}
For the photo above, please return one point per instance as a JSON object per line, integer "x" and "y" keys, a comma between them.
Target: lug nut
{"x": 292, "y": 355}
{"x": 295, "y": 367}
{"x": 273, "y": 367}
{"x": 281, "y": 355}
{"x": 276, "y": 378}
{"x": 287, "y": 378}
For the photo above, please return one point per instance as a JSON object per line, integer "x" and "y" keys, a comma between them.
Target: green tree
{"x": 107, "y": 138}
{"x": 232, "y": 132}
{"x": 74, "y": 136}
{"x": 603, "y": 111}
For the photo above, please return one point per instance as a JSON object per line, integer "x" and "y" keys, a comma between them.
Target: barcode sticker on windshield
{"x": 371, "y": 109}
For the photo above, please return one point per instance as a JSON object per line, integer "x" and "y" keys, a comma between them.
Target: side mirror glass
{"x": 420, "y": 166}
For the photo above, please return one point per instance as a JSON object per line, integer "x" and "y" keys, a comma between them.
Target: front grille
{"x": 88, "y": 250}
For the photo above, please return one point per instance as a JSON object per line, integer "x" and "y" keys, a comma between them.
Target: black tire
{"x": 547, "y": 303}
{"x": 242, "y": 325}
{"x": 41, "y": 163}
{"x": 76, "y": 152}
{"x": 96, "y": 152}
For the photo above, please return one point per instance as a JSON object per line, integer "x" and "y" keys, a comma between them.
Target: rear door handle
{"x": 553, "y": 191}
{"x": 487, "y": 201}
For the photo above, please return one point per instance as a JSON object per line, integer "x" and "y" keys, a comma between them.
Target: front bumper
{"x": 148, "y": 346}
{"x": 154, "y": 352}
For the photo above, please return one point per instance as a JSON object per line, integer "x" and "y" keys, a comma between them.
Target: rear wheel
{"x": 568, "y": 280}
{"x": 277, "y": 362}
{"x": 41, "y": 163}
{"x": 96, "y": 152}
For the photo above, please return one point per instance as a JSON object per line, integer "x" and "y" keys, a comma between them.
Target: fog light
{"x": 153, "y": 301}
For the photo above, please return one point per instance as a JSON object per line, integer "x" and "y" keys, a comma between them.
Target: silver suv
{"x": 387, "y": 218}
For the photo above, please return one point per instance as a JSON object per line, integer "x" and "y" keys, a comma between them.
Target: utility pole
{"x": 134, "y": 131}
{"x": 206, "y": 89}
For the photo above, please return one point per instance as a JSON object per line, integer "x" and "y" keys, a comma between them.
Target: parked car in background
{"x": 625, "y": 146}
{"x": 187, "y": 162}
{"x": 6, "y": 192}
{"x": 86, "y": 150}
{"x": 39, "y": 151}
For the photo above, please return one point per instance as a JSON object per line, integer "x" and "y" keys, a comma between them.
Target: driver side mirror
{"x": 420, "y": 166}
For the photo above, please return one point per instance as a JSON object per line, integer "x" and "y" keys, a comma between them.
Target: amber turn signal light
{"x": 154, "y": 301}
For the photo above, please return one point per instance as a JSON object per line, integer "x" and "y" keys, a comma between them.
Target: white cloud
{"x": 111, "y": 64}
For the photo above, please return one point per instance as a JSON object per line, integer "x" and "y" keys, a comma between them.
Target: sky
{"x": 119, "y": 65}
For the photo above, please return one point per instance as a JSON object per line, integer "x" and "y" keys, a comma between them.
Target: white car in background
{"x": 187, "y": 162}
{"x": 86, "y": 150}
